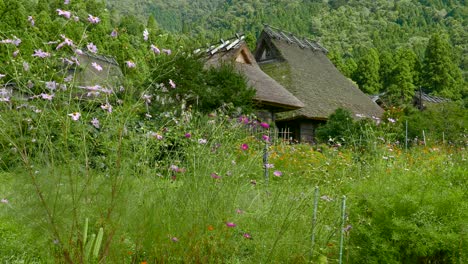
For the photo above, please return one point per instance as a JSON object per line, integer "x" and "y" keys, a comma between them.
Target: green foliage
{"x": 401, "y": 89}
{"x": 338, "y": 127}
{"x": 367, "y": 73}
{"x": 448, "y": 121}
{"x": 441, "y": 76}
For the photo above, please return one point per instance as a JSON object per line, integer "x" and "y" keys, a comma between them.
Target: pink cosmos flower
{"x": 75, "y": 116}
{"x": 264, "y": 125}
{"x": 155, "y": 49}
{"x": 66, "y": 2}
{"x": 93, "y": 19}
{"x": 230, "y": 224}
{"x": 277, "y": 173}
{"x": 95, "y": 122}
{"x": 31, "y": 20}
{"x": 172, "y": 84}
{"x": 202, "y": 141}
{"x": 96, "y": 66}
{"x": 107, "y": 107}
{"x": 167, "y": 51}
{"x": 188, "y": 135}
{"x": 145, "y": 34}
{"x": 130, "y": 64}
{"x": 65, "y": 14}
{"x": 76, "y": 19}
{"x": 47, "y": 96}
{"x": 114, "y": 33}
{"x": 41, "y": 54}
{"x": 244, "y": 146}
{"x": 15, "y": 53}
{"x": 4, "y": 99}
{"x": 243, "y": 119}
{"x": 247, "y": 236}
{"x": 4, "y": 201}
{"x": 80, "y": 52}
{"x": 157, "y": 136}
{"x": 269, "y": 166}
{"x": 66, "y": 42}
{"x": 91, "y": 47}
{"x": 215, "y": 176}
{"x": 175, "y": 239}
{"x": 51, "y": 85}
{"x": 266, "y": 138}
{"x": 239, "y": 211}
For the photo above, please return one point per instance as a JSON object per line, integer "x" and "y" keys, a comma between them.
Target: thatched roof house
{"x": 420, "y": 99}
{"x": 301, "y": 66}
{"x": 270, "y": 95}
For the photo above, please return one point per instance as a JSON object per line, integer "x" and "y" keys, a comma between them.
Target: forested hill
{"x": 392, "y": 46}
{"x": 350, "y": 29}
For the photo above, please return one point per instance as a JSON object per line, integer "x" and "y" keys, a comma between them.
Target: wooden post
{"x": 424, "y": 138}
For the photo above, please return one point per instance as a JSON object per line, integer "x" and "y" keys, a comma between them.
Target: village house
{"x": 271, "y": 97}
{"x": 301, "y": 66}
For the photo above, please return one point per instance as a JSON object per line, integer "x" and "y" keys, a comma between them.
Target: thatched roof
{"x": 269, "y": 93}
{"x": 301, "y": 65}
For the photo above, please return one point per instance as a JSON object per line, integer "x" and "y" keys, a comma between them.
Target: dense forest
{"x": 392, "y": 47}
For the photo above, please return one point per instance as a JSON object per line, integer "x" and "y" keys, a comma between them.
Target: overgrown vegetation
{"x": 168, "y": 168}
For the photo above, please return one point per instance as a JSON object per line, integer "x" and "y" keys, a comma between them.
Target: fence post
{"x": 314, "y": 221}
{"x": 406, "y": 135}
{"x": 343, "y": 220}
{"x": 424, "y": 138}
{"x": 265, "y": 162}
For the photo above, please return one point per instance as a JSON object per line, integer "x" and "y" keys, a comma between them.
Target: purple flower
{"x": 41, "y": 54}
{"x": 80, "y": 52}
{"x": 230, "y": 224}
{"x": 31, "y": 20}
{"x": 75, "y": 116}
{"x": 172, "y": 84}
{"x": 130, "y": 64}
{"x": 277, "y": 173}
{"x": 244, "y": 119}
{"x": 175, "y": 239}
{"x": 264, "y": 125}
{"x": 157, "y": 136}
{"x": 114, "y": 33}
{"x": 66, "y": 41}
{"x": 91, "y": 47}
{"x": 95, "y": 122}
{"x": 47, "y": 96}
{"x": 167, "y": 51}
{"x": 215, "y": 176}
{"x": 247, "y": 236}
{"x": 188, "y": 135}
{"x": 66, "y": 2}
{"x": 15, "y": 53}
{"x": 96, "y": 66}
{"x": 93, "y": 19}
{"x": 145, "y": 34}
{"x": 269, "y": 166}
{"x": 266, "y": 138}
{"x": 155, "y": 49}
{"x": 107, "y": 107}
{"x": 174, "y": 167}
{"x": 51, "y": 85}
{"x": 244, "y": 146}
{"x": 65, "y": 14}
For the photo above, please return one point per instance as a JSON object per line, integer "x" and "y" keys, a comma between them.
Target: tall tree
{"x": 401, "y": 90}
{"x": 367, "y": 73}
{"x": 440, "y": 74}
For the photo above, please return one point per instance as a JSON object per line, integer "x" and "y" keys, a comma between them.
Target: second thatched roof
{"x": 301, "y": 65}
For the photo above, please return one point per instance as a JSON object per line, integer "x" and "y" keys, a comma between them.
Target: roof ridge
{"x": 223, "y": 45}
{"x": 291, "y": 38}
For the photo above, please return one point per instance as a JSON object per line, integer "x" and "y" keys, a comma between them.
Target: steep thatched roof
{"x": 269, "y": 93}
{"x": 301, "y": 65}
